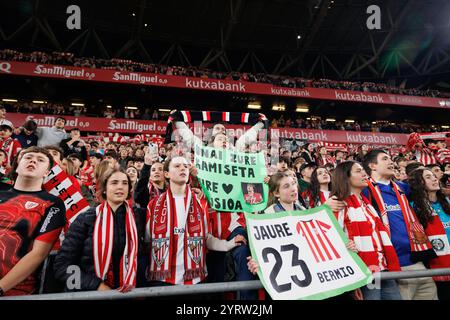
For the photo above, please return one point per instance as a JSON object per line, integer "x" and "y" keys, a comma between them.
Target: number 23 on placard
{"x": 278, "y": 264}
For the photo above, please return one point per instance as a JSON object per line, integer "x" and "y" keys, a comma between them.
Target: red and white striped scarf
{"x": 153, "y": 191}
{"x": 417, "y": 237}
{"x": 161, "y": 220}
{"x": 214, "y": 117}
{"x": 363, "y": 225}
{"x": 103, "y": 239}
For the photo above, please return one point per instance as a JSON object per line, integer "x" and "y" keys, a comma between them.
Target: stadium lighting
{"x": 9, "y": 100}
{"x": 164, "y": 110}
{"x": 374, "y": 122}
{"x": 330, "y": 120}
{"x": 146, "y": 25}
{"x": 349, "y": 121}
{"x": 108, "y": 106}
{"x": 254, "y": 105}
{"x": 133, "y": 14}
{"x": 445, "y": 127}
{"x": 299, "y": 37}
{"x": 38, "y": 101}
{"x": 75, "y": 104}
{"x": 131, "y": 108}
{"x": 278, "y": 107}
{"x": 302, "y": 109}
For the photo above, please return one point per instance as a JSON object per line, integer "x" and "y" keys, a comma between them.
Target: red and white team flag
{"x": 59, "y": 184}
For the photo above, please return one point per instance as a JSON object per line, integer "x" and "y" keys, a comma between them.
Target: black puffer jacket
{"x": 77, "y": 249}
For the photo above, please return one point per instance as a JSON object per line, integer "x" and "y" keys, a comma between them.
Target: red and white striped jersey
{"x": 443, "y": 156}
{"x": 12, "y": 147}
{"x": 222, "y": 224}
{"x": 425, "y": 156}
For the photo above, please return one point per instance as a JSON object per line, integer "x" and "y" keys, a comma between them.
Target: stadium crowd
{"x": 69, "y": 59}
{"x": 109, "y": 202}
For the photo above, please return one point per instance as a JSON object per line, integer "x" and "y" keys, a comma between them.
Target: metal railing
{"x": 202, "y": 288}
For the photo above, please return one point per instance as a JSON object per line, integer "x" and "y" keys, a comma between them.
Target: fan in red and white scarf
{"x": 323, "y": 157}
{"x": 11, "y": 146}
{"x": 422, "y": 153}
{"x": 87, "y": 175}
{"x": 167, "y": 260}
{"x": 421, "y": 248}
{"x": 103, "y": 238}
{"x": 363, "y": 225}
{"x": 443, "y": 153}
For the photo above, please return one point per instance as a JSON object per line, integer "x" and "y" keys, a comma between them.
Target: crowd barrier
{"x": 203, "y": 288}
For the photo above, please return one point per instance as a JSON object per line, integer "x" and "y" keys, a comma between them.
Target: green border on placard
{"x": 326, "y": 294}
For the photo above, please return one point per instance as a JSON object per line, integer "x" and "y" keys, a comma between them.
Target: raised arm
{"x": 249, "y": 136}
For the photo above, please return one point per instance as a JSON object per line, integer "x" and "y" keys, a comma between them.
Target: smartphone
{"x": 153, "y": 148}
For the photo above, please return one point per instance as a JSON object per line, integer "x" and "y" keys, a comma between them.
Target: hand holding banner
{"x": 303, "y": 255}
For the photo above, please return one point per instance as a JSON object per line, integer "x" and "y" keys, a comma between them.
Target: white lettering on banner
{"x": 135, "y": 77}
{"x": 131, "y": 126}
{"x": 48, "y": 121}
{"x": 359, "y": 97}
{"x": 302, "y": 255}
{"x": 5, "y": 67}
{"x": 299, "y": 135}
{"x": 215, "y": 85}
{"x": 370, "y": 138}
{"x": 290, "y": 92}
{"x": 59, "y": 71}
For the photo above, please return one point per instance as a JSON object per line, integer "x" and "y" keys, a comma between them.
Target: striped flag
{"x": 314, "y": 231}
{"x": 58, "y": 183}
{"x": 206, "y": 115}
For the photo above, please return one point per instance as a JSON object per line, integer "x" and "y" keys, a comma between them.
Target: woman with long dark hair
{"x": 319, "y": 192}
{"x": 433, "y": 211}
{"x": 308, "y": 153}
{"x": 104, "y": 241}
{"x": 320, "y": 188}
{"x": 363, "y": 226}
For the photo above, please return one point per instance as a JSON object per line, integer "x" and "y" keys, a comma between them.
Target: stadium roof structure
{"x": 309, "y": 38}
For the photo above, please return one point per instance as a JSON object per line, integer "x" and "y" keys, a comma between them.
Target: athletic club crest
{"x": 195, "y": 248}
{"x": 160, "y": 249}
